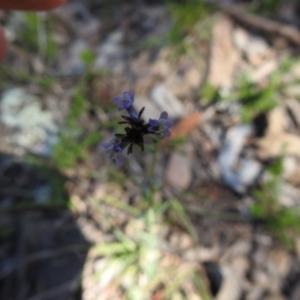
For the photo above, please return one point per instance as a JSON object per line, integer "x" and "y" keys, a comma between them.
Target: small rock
{"x": 178, "y": 173}
{"x": 34, "y": 128}
{"x": 202, "y": 254}
{"x": 255, "y": 293}
{"x": 292, "y": 91}
{"x": 281, "y": 261}
{"x": 193, "y": 77}
{"x": 166, "y": 101}
{"x": 240, "y": 264}
{"x": 241, "y": 38}
{"x": 260, "y": 278}
{"x": 277, "y": 121}
{"x": 231, "y": 287}
{"x": 110, "y": 54}
{"x": 290, "y": 167}
{"x": 295, "y": 70}
{"x": 239, "y": 248}
{"x": 257, "y": 50}
{"x": 181, "y": 240}
{"x": 224, "y": 56}
{"x": 238, "y": 173}
{"x": 178, "y": 85}
{"x": 288, "y": 195}
{"x": 253, "y": 46}
{"x": 277, "y": 141}
{"x": 276, "y": 145}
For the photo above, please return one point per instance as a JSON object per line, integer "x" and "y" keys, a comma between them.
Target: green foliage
{"x": 87, "y": 57}
{"x": 282, "y": 221}
{"x": 267, "y": 204}
{"x": 45, "y": 82}
{"x": 36, "y": 34}
{"x": 177, "y": 142}
{"x": 71, "y": 149}
{"x": 185, "y": 15}
{"x": 74, "y": 143}
{"x": 178, "y": 209}
{"x": 137, "y": 257}
{"x": 9, "y": 75}
{"x": 208, "y": 94}
{"x": 255, "y": 100}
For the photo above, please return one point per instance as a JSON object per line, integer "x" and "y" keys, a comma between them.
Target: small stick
{"x": 287, "y": 31}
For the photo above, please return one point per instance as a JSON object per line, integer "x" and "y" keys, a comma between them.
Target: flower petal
{"x": 163, "y": 115}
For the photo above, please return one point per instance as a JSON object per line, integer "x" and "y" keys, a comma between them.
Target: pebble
{"x": 231, "y": 287}
{"x": 255, "y": 293}
{"x": 202, "y": 254}
{"x": 238, "y": 173}
{"x": 34, "y": 128}
{"x": 181, "y": 240}
{"x": 166, "y": 101}
{"x": 178, "y": 173}
{"x": 253, "y": 46}
{"x": 110, "y": 54}
{"x": 281, "y": 260}
{"x": 288, "y": 195}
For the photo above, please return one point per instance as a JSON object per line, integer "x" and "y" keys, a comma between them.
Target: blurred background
{"x": 211, "y": 212}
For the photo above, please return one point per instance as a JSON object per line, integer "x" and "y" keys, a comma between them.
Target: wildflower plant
{"x": 136, "y": 128}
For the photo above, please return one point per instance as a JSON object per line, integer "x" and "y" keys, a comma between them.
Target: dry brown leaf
{"x": 186, "y": 125}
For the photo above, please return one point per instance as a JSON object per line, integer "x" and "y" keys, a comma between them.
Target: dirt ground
{"x": 209, "y": 213}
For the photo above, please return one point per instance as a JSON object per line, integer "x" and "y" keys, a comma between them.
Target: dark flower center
{"x": 134, "y": 135}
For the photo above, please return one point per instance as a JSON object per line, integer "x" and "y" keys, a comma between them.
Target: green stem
{"x": 151, "y": 175}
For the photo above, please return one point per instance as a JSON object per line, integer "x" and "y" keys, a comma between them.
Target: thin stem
{"x": 151, "y": 175}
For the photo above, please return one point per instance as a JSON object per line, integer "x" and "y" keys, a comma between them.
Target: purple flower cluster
{"x": 134, "y": 135}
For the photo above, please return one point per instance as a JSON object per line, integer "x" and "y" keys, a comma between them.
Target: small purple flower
{"x": 136, "y": 128}
{"x": 126, "y": 102}
{"x": 113, "y": 149}
{"x": 161, "y": 125}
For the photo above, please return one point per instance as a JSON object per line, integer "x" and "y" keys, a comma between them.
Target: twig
{"x": 287, "y": 31}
